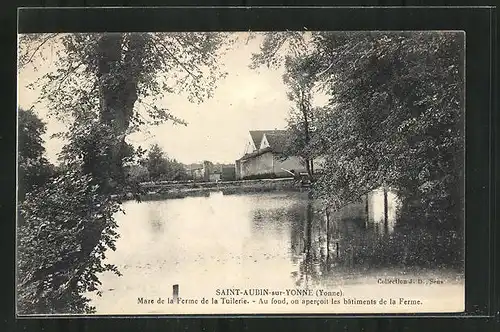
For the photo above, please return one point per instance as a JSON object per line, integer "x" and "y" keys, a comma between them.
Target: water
{"x": 272, "y": 241}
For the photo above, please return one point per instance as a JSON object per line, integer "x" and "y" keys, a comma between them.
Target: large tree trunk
{"x": 119, "y": 67}
{"x": 118, "y": 72}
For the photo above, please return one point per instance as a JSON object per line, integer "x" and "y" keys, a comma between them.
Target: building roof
{"x": 257, "y": 135}
{"x": 277, "y": 140}
{"x": 255, "y": 153}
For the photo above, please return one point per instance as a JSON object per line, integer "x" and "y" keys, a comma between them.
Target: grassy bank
{"x": 203, "y": 189}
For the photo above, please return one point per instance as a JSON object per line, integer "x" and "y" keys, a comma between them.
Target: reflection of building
{"x": 263, "y": 156}
{"x": 377, "y": 208}
{"x": 372, "y": 208}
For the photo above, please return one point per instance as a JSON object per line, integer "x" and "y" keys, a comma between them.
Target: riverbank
{"x": 159, "y": 191}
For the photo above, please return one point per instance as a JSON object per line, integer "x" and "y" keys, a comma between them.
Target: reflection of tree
{"x": 311, "y": 258}
{"x": 308, "y": 266}
{"x": 297, "y": 231}
{"x": 333, "y": 245}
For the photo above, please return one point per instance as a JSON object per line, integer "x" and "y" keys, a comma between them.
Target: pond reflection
{"x": 348, "y": 244}
{"x": 156, "y": 220}
{"x": 281, "y": 240}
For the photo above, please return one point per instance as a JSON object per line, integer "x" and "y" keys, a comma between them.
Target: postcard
{"x": 283, "y": 172}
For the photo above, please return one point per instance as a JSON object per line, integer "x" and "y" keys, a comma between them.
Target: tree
{"x": 300, "y": 92}
{"x": 278, "y": 46}
{"x": 67, "y": 226}
{"x": 175, "y": 170}
{"x": 106, "y": 85}
{"x": 137, "y": 173}
{"x": 395, "y": 117}
{"x": 398, "y": 101}
{"x": 106, "y": 74}
{"x": 156, "y": 163}
{"x": 299, "y": 77}
{"x": 295, "y": 51}
{"x": 160, "y": 167}
{"x": 34, "y": 168}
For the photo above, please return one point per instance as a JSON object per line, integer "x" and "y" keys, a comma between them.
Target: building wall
{"x": 237, "y": 170}
{"x": 291, "y": 163}
{"x": 228, "y": 173}
{"x": 214, "y": 177}
{"x": 267, "y": 163}
{"x": 258, "y": 165}
{"x": 250, "y": 146}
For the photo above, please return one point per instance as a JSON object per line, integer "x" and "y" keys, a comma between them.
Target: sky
{"x": 246, "y": 99}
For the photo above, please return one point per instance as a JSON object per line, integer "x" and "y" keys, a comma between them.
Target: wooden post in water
{"x": 175, "y": 291}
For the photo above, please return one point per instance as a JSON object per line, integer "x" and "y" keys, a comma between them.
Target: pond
{"x": 272, "y": 241}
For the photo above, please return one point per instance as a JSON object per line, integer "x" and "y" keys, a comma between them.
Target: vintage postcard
{"x": 285, "y": 172}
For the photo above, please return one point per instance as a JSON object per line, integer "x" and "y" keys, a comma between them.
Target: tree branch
{"x": 194, "y": 46}
{"x": 25, "y": 62}
{"x": 179, "y": 62}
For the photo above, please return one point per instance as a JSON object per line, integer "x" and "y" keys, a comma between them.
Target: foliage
{"x": 306, "y": 147}
{"x": 176, "y": 171}
{"x": 66, "y": 224}
{"x": 299, "y": 81}
{"x": 162, "y": 168}
{"x": 394, "y": 119}
{"x": 119, "y": 78}
{"x": 31, "y": 129}
{"x": 155, "y": 162}
{"x": 278, "y": 46}
{"x": 398, "y": 114}
{"x": 266, "y": 176}
{"x": 137, "y": 173}
{"x": 105, "y": 85}
{"x": 300, "y": 78}
{"x": 34, "y": 168}
{"x": 158, "y": 62}
{"x": 66, "y": 227}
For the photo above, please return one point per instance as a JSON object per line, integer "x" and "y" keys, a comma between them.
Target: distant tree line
{"x": 157, "y": 166}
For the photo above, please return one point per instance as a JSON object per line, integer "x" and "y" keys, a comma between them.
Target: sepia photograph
{"x": 257, "y": 172}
